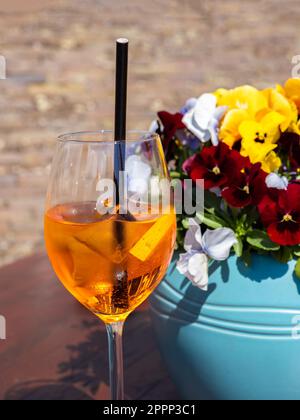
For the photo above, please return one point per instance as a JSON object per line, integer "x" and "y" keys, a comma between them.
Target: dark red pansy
{"x": 280, "y": 214}
{"x": 247, "y": 187}
{"x": 294, "y": 154}
{"x": 216, "y": 165}
{"x": 171, "y": 123}
{"x": 290, "y": 143}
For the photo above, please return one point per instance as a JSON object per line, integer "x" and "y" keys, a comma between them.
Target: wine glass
{"x": 110, "y": 252}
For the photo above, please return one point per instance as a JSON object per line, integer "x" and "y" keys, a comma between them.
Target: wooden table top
{"x": 55, "y": 349}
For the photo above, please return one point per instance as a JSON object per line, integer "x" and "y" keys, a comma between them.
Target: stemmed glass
{"x": 109, "y": 253}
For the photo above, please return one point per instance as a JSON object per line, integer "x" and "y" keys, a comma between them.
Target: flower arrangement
{"x": 245, "y": 144}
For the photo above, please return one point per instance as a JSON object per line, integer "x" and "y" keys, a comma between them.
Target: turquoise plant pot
{"x": 239, "y": 340}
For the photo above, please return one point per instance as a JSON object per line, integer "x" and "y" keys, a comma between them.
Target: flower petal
{"x": 273, "y": 180}
{"x": 198, "y": 271}
{"x": 217, "y": 243}
{"x": 183, "y": 263}
{"x": 285, "y": 234}
{"x": 229, "y": 131}
{"x": 204, "y": 110}
{"x": 236, "y": 197}
{"x": 213, "y": 129}
{"x": 280, "y": 104}
{"x": 268, "y": 208}
{"x": 244, "y": 97}
{"x": 219, "y": 112}
{"x": 198, "y": 119}
{"x": 190, "y": 104}
{"x": 292, "y": 90}
{"x": 190, "y": 123}
{"x": 193, "y": 238}
{"x": 154, "y": 126}
{"x": 194, "y": 266}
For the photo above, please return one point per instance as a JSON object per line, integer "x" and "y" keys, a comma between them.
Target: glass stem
{"x": 115, "y": 348}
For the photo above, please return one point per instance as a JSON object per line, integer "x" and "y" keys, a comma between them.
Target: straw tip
{"x": 122, "y": 41}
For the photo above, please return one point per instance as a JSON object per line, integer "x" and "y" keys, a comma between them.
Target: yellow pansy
{"x": 264, "y": 131}
{"x": 244, "y": 103}
{"x": 259, "y": 140}
{"x": 246, "y": 98}
{"x": 220, "y": 93}
{"x": 295, "y": 128}
{"x": 265, "y": 155}
{"x": 292, "y": 91}
{"x": 278, "y": 103}
{"x": 229, "y": 130}
{"x": 271, "y": 162}
{"x": 280, "y": 89}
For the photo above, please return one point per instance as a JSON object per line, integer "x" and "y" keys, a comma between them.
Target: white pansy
{"x": 189, "y": 265}
{"x": 193, "y": 237}
{"x": 215, "y": 244}
{"x": 154, "y": 126}
{"x": 172, "y": 165}
{"x": 204, "y": 118}
{"x": 190, "y": 103}
{"x": 273, "y": 180}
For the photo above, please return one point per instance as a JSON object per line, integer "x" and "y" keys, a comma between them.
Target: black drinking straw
{"x": 120, "y": 293}
{"x": 120, "y": 111}
{"x": 121, "y": 89}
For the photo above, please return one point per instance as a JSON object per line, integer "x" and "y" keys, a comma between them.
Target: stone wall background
{"x": 60, "y": 68}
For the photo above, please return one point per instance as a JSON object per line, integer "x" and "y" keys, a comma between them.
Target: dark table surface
{"x": 56, "y": 349}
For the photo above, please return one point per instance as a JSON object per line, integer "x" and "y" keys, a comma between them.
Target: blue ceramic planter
{"x": 239, "y": 340}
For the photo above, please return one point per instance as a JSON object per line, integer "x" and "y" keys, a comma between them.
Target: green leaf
{"x": 260, "y": 240}
{"x": 246, "y": 257}
{"x": 185, "y": 223}
{"x": 297, "y": 269}
{"x": 284, "y": 255}
{"x": 212, "y": 204}
{"x": 212, "y": 201}
{"x": 175, "y": 175}
{"x": 296, "y": 251}
{"x": 235, "y": 212}
{"x": 226, "y": 220}
{"x": 211, "y": 221}
{"x": 238, "y": 248}
{"x": 215, "y": 216}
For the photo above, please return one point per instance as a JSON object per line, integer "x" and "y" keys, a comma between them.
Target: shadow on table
{"x": 84, "y": 375}
{"x": 45, "y": 390}
{"x": 78, "y": 378}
